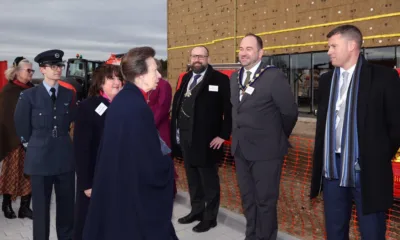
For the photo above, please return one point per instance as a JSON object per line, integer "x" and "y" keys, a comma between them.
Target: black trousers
{"x": 259, "y": 189}
{"x": 42, "y": 186}
{"x": 204, "y": 187}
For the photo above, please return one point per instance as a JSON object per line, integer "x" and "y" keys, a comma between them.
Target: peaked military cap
{"x": 49, "y": 57}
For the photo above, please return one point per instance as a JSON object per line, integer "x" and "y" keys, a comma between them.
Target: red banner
{"x": 3, "y": 68}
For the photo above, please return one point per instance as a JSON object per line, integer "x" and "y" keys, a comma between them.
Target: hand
{"x": 88, "y": 192}
{"x": 216, "y": 143}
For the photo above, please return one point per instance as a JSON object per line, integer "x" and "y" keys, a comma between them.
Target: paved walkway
{"x": 17, "y": 229}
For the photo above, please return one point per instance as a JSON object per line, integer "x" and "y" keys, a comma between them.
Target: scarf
{"x": 104, "y": 95}
{"x": 23, "y": 85}
{"x": 349, "y": 143}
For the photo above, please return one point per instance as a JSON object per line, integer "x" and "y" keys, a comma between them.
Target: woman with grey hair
{"x": 13, "y": 182}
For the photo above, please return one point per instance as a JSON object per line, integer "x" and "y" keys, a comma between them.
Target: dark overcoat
{"x": 212, "y": 117}
{"x": 88, "y": 131}
{"x": 378, "y": 126}
{"x": 132, "y": 194}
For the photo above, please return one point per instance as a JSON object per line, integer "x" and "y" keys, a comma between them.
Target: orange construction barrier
{"x": 3, "y": 68}
{"x": 297, "y": 214}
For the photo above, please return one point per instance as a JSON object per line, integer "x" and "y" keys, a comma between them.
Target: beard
{"x": 197, "y": 67}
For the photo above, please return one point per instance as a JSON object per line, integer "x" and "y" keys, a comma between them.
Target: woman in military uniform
{"x": 42, "y": 118}
{"x": 13, "y": 182}
{"x": 88, "y": 130}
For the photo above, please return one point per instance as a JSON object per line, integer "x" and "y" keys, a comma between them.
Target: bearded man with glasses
{"x": 201, "y": 122}
{"x": 42, "y": 117}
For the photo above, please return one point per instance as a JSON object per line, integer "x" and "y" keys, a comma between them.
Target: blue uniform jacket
{"x": 45, "y": 127}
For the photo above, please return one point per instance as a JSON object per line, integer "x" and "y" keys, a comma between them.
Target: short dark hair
{"x": 134, "y": 63}
{"x": 349, "y": 31}
{"x": 258, "y": 38}
{"x": 100, "y": 75}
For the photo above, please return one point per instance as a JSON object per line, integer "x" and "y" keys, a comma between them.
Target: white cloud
{"x": 93, "y": 28}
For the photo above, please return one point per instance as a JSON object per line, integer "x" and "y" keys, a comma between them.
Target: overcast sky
{"x": 93, "y": 28}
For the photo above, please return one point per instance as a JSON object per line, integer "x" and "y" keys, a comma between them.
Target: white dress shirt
{"x": 198, "y": 80}
{"x": 341, "y": 102}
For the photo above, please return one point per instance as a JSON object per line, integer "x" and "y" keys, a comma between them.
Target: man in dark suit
{"x": 264, "y": 115}
{"x": 201, "y": 122}
{"x": 42, "y": 119}
{"x": 358, "y": 133}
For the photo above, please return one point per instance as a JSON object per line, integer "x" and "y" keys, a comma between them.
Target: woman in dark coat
{"x": 13, "y": 182}
{"x": 88, "y": 130}
{"x": 132, "y": 194}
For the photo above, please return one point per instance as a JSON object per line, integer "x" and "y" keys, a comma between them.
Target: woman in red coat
{"x": 159, "y": 101}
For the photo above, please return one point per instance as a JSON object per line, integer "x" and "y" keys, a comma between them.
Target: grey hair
{"x": 12, "y": 71}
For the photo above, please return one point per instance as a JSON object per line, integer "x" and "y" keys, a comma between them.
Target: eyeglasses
{"x": 56, "y": 66}
{"x": 198, "y": 56}
{"x": 30, "y": 71}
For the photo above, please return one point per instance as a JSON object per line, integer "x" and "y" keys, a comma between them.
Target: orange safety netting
{"x": 298, "y": 215}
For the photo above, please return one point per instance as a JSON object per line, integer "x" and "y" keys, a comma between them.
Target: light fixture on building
{"x": 339, "y": 12}
{"x": 309, "y": 17}
{"x": 312, "y": 2}
{"x": 372, "y": 9}
{"x": 380, "y": 41}
{"x": 287, "y": 9}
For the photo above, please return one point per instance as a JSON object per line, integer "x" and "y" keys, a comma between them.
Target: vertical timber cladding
{"x": 305, "y": 24}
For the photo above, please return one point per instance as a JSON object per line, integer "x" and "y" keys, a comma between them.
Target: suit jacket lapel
{"x": 363, "y": 93}
{"x": 205, "y": 80}
{"x": 182, "y": 90}
{"x": 245, "y": 95}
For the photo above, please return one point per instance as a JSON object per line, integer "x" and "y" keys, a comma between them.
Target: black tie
{"x": 53, "y": 94}
{"x": 194, "y": 83}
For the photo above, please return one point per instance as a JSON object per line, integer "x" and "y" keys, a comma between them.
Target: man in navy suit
{"x": 357, "y": 135}
{"x": 42, "y": 119}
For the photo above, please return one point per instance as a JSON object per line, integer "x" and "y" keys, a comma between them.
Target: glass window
{"x": 282, "y": 62}
{"x": 301, "y": 81}
{"x": 398, "y": 57}
{"x": 383, "y": 56}
{"x": 321, "y": 64}
{"x": 76, "y": 68}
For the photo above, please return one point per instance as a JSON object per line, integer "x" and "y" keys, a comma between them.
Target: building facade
{"x": 294, "y": 34}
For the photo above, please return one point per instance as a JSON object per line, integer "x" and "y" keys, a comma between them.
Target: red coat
{"x": 159, "y": 101}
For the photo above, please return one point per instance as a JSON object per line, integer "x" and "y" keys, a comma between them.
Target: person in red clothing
{"x": 159, "y": 100}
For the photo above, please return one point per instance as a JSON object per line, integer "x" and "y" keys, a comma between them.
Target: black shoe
{"x": 190, "y": 218}
{"x": 24, "y": 210}
{"x": 6, "y": 207}
{"x": 205, "y": 225}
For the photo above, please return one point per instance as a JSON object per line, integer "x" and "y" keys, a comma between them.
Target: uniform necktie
{"x": 194, "y": 83}
{"x": 342, "y": 109}
{"x": 53, "y": 94}
{"x": 246, "y": 81}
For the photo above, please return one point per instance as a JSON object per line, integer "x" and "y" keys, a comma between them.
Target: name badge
{"x": 249, "y": 90}
{"x": 101, "y": 109}
{"x": 213, "y": 88}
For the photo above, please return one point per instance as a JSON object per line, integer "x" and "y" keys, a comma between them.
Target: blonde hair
{"x": 12, "y": 71}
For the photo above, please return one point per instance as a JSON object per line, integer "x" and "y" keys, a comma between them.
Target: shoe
{"x": 24, "y": 210}
{"x": 190, "y": 218}
{"x": 205, "y": 225}
{"x": 6, "y": 207}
